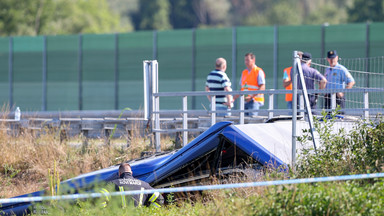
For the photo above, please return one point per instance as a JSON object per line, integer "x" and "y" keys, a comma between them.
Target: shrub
{"x": 360, "y": 150}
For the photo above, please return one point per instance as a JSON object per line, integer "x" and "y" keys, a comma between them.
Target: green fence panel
{"x": 299, "y": 38}
{"x": 178, "y": 61}
{"x": 98, "y": 73}
{"x": 210, "y": 45}
{"x": 62, "y": 72}
{"x": 27, "y": 72}
{"x": 175, "y": 54}
{"x": 349, "y": 40}
{"x": 376, "y": 62}
{"x": 134, "y": 48}
{"x": 376, "y": 39}
{"x": 259, "y": 41}
{"x": 4, "y": 78}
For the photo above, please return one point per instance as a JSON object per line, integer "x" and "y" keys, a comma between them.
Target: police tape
{"x": 195, "y": 188}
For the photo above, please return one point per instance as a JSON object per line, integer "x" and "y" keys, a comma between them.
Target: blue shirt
{"x": 216, "y": 81}
{"x": 338, "y": 77}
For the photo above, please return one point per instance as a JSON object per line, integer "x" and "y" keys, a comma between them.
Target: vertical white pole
{"x": 366, "y": 105}
{"x": 185, "y": 120}
{"x": 294, "y": 105}
{"x": 146, "y": 92}
{"x": 156, "y": 102}
{"x": 213, "y": 109}
{"x": 333, "y": 101}
{"x": 241, "y": 121}
{"x": 270, "y": 112}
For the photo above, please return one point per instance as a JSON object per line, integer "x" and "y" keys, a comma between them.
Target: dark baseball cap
{"x": 306, "y": 56}
{"x": 332, "y": 54}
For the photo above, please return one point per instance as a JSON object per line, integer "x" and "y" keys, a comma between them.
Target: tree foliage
{"x": 34, "y": 17}
{"x": 154, "y": 14}
{"x": 367, "y": 10}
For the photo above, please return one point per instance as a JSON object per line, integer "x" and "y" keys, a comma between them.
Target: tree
{"x": 278, "y": 12}
{"x": 35, "y": 17}
{"x": 154, "y": 14}
{"x": 367, "y": 10}
{"x": 83, "y": 16}
{"x": 327, "y": 13}
{"x": 182, "y": 15}
{"x": 211, "y": 12}
{"x": 24, "y": 17}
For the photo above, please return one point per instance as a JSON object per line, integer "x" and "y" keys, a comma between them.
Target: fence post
{"x": 234, "y": 58}
{"x": 241, "y": 120}
{"x": 271, "y": 105}
{"x": 193, "y": 67}
{"x": 333, "y": 101}
{"x": 10, "y": 71}
{"x": 366, "y": 105}
{"x": 154, "y": 48}
{"x": 116, "y": 71}
{"x": 213, "y": 110}
{"x": 185, "y": 120}
{"x": 80, "y": 70}
{"x": 367, "y": 50}
{"x": 294, "y": 106}
{"x": 44, "y": 78}
{"x": 275, "y": 62}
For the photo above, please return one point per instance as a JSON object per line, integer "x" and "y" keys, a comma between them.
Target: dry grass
{"x": 26, "y": 159}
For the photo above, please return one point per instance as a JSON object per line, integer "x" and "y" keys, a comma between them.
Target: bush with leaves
{"x": 358, "y": 151}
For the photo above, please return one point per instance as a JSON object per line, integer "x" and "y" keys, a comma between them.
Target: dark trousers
{"x": 339, "y": 101}
{"x": 312, "y": 102}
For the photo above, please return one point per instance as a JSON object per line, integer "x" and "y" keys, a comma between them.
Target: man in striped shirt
{"x": 218, "y": 80}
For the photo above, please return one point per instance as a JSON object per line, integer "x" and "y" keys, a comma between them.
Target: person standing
{"x": 287, "y": 83}
{"x": 338, "y": 77}
{"x": 252, "y": 79}
{"x": 311, "y": 76}
{"x": 217, "y": 80}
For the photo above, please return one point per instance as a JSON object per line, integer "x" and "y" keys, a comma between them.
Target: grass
{"x": 27, "y": 159}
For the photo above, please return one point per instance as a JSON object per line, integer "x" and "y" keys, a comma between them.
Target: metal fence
{"x": 271, "y": 111}
{"x": 104, "y": 72}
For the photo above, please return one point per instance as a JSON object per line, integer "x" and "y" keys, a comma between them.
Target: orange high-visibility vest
{"x": 249, "y": 81}
{"x": 288, "y": 97}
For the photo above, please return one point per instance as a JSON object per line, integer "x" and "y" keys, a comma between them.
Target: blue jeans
{"x": 252, "y": 105}
{"x": 289, "y": 106}
{"x": 222, "y": 114}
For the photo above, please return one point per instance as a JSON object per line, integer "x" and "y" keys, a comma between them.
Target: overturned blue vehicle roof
{"x": 223, "y": 147}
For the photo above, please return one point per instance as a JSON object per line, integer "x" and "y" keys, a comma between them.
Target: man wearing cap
{"x": 126, "y": 182}
{"x": 310, "y": 76}
{"x": 338, "y": 77}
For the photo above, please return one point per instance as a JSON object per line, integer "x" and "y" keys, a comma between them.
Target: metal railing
{"x": 271, "y": 111}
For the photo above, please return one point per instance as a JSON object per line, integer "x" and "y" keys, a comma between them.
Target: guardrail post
{"x": 213, "y": 109}
{"x": 301, "y": 104}
{"x": 333, "y": 101}
{"x": 366, "y": 105}
{"x": 270, "y": 109}
{"x": 157, "y": 124}
{"x": 241, "y": 120}
{"x": 185, "y": 121}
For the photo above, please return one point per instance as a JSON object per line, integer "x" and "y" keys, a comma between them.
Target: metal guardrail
{"x": 270, "y": 111}
{"x": 66, "y": 127}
